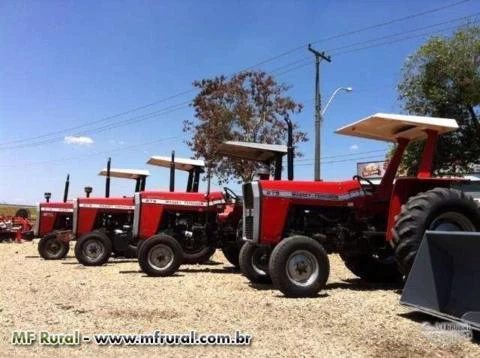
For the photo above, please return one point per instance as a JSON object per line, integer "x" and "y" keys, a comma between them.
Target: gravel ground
{"x": 347, "y": 319}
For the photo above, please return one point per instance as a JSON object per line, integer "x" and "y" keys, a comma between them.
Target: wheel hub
{"x": 260, "y": 259}
{"x": 53, "y": 247}
{"x": 302, "y": 267}
{"x": 93, "y": 250}
{"x": 160, "y": 257}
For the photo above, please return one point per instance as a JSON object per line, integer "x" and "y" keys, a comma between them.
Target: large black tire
{"x": 93, "y": 249}
{"x": 253, "y": 262}
{"x": 52, "y": 249}
{"x": 299, "y": 267}
{"x": 373, "y": 268}
{"x": 440, "y": 209}
{"x": 232, "y": 254}
{"x": 197, "y": 256}
{"x": 160, "y": 255}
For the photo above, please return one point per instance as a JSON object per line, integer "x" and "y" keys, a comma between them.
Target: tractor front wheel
{"x": 93, "y": 249}
{"x": 253, "y": 262}
{"x": 160, "y": 255}
{"x": 232, "y": 253}
{"x": 299, "y": 267}
{"x": 439, "y": 209}
{"x": 50, "y": 248}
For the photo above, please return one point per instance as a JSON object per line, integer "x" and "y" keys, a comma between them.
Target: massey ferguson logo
{"x": 312, "y": 196}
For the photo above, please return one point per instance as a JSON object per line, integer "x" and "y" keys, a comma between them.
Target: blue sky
{"x": 66, "y": 63}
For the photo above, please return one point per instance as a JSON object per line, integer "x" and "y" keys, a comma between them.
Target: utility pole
{"x": 318, "y": 107}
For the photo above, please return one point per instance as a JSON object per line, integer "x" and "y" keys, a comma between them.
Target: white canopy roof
{"x": 251, "y": 151}
{"x": 390, "y": 127}
{"x": 185, "y": 164}
{"x": 125, "y": 173}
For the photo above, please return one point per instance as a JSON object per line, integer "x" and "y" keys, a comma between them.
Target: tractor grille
{"x": 249, "y": 227}
{"x": 251, "y": 211}
{"x": 247, "y": 196}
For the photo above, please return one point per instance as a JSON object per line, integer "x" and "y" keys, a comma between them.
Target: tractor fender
{"x": 404, "y": 188}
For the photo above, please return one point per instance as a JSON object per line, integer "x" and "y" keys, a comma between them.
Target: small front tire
{"x": 93, "y": 249}
{"x": 50, "y": 248}
{"x": 160, "y": 256}
{"x": 299, "y": 267}
{"x": 253, "y": 262}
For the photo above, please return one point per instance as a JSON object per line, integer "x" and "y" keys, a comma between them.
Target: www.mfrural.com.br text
{"x": 156, "y": 338}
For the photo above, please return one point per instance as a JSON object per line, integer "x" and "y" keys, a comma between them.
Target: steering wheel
{"x": 229, "y": 193}
{"x": 358, "y": 177}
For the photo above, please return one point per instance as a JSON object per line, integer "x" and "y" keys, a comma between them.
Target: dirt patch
{"x": 349, "y": 318}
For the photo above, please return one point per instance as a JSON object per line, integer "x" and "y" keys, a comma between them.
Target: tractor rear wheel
{"x": 439, "y": 209}
{"x": 253, "y": 261}
{"x": 160, "y": 255}
{"x": 93, "y": 249}
{"x": 299, "y": 267}
{"x": 372, "y": 268}
{"x": 197, "y": 255}
{"x": 50, "y": 248}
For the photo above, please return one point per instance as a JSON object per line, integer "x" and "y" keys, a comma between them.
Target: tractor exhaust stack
{"x": 47, "y": 196}
{"x": 88, "y": 190}
{"x": 289, "y": 149}
{"x": 172, "y": 172}
{"x": 65, "y": 191}
{"x": 107, "y": 180}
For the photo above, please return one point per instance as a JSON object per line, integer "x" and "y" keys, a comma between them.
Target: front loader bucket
{"x": 445, "y": 278}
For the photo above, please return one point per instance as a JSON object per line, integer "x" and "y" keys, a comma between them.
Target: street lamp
{"x": 346, "y": 89}
{"x": 317, "y": 141}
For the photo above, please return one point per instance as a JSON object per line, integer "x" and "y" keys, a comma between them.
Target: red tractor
{"x": 187, "y": 227}
{"x": 53, "y": 218}
{"x": 376, "y": 229}
{"x": 102, "y": 226}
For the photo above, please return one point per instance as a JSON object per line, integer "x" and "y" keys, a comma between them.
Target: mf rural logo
{"x": 44, "y": 338}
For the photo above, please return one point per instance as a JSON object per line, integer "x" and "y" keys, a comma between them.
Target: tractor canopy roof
{"x": 252, "y": 151}
{"x": 184, "y": 164}
{"x": 125, "y": 173}
{"x": 391, "y": 127}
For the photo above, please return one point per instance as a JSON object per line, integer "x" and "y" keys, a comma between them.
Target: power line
{"x": 345, "y": 160}
{"x": 303, "y": 62}
{"x": 101, "y": 120}
{"x": 342, "y": 155}
{"x": 183, "y": 105}
{"x": 270, "y": 59}
{"x": 125, "y": 122}
{"x": 364, "y": 29}
{"x": 106, "y": 152}
{"x": 306, "y": 60}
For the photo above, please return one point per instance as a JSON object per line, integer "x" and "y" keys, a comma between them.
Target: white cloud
{"x": 354, "y": 147}
{"x": 70, "y": 139}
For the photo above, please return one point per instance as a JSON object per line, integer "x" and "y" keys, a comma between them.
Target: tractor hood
{"x": 57, "y": 206}
{"x": 314, "y": 190}
{"x": 182, "y": 199}
{"x": 107, "y": 203}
